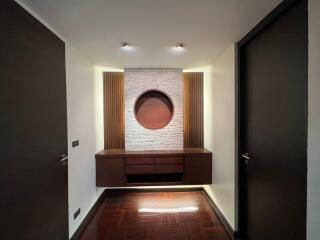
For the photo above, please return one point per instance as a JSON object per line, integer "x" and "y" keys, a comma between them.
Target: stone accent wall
{"x": 169, "y": 81}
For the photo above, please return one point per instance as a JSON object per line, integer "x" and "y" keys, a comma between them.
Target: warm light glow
{"x": 168, "y": 210}
{"x": 98, "y": 102}
{"x": 180, "y": 46}
{"x": 126, "y": 46}
{"x": 178, "y": 49}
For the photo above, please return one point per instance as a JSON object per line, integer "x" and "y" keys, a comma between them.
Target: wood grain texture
{"x": 111, "y": 153}
{"x": 138, "y": 216}
{"x": 110, "y": 173}
{"x": 113, "y": 110}
{"x": 115, "y": 167}
{"x": 198, "y": 169}
{"x": 154, "y": 109}
{"x": 193, "y": 110}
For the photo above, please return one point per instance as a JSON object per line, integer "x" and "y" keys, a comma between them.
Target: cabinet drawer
{"x": 170, "y": 168}
{"x": 168, "y": 160}
{"x": 139, "y": 160}
{"x": 140, "y": 169}
{"x": 110, "y": 172}
{"x": 198, "y": 169}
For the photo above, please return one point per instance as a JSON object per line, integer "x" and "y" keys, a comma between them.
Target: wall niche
{"x": 153, "y": 109}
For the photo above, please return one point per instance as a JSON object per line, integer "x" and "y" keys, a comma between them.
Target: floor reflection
{"x": 155, "y": 216}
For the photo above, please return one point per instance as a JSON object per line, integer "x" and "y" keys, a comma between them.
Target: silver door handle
{"x": 64, "y": 160}
{"x": 246, "y": 156}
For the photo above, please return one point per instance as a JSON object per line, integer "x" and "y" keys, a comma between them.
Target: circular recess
{"x": 153, "y": 109}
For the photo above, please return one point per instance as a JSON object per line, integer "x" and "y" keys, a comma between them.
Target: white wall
{"x": 167, "y": 80}
{"x": 219, "y": 134}
{"x": 313, "y": 209}
{"x": 81, "y": 124}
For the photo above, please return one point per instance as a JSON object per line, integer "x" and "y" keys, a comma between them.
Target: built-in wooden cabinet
{"x": 117, "y": 167}
{"x": 197, "y": 169}
{"x": 110, "y": 171}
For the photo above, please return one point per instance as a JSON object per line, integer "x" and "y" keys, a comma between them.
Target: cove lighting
{"x": 168, "y": 210}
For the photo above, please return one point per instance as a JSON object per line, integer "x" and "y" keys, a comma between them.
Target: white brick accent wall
{"x": 169, "y": 81}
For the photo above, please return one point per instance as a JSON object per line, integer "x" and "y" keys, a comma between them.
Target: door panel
{"x": 274, "y": 127}
{"x": 34, "y": 203}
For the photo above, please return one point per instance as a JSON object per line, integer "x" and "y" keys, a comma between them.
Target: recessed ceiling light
{"x": 180, "y": 46}
{"x": 125, "y": 45}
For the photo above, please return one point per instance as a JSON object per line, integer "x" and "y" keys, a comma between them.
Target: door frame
{"x": 239, "y": 94}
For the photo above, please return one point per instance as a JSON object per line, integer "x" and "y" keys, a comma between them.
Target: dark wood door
{"x": 273, "y": 126}
{"x": 33, "y": 183}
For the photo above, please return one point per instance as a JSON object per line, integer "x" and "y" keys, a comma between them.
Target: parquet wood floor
{"x": 155, "y": 216}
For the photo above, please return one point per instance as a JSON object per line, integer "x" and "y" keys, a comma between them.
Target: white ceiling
{"x": 97, "y": 27}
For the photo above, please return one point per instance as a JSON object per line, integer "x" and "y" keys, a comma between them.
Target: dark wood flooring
{"x": 155, "y": 216}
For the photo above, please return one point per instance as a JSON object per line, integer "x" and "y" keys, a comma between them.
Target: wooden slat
{"x": 113, "y": 110}
{"x": 193, "y": 109}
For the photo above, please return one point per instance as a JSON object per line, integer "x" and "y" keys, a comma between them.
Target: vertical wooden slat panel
{"x": 113, "y": 110}
{"x": 193, "y": 109}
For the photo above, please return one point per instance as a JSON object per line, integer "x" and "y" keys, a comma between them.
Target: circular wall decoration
{"x": 153, "y": 109}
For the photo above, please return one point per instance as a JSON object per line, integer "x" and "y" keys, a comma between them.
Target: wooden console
{"x": 119, "y": 168}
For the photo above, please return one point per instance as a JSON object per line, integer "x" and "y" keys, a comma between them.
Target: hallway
{"x": 156, "y": 120}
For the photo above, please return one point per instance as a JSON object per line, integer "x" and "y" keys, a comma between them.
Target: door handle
{"x": 64, "y": 160}
{"x": 246, "y": 157}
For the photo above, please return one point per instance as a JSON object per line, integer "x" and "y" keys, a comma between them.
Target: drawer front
{"x": 198, "y": 169}
{"x": 168, "y": 160}
{"x": 171, "y": 168}
{"x": 140, "y": 169}
{"x": 139, "y": 160}
{"x": 110, "y": 172}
